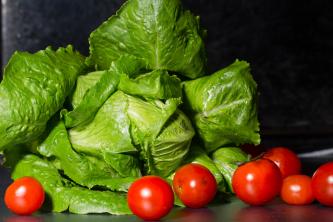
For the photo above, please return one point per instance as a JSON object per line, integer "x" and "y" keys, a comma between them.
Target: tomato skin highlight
{"x": 257, "y": 182}
{"x": 297, "y": 190}
{"x": 150, "y": 198}
{"x": 195, "y": 185}
{"x": 285, "y": 159}
{"x": 24, "y": 196}
{"x": 322, "y": 184}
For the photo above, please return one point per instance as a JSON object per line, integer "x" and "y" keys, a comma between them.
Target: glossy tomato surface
{"x": 296, "y": 190}
{"x": 322, "y": 184}
{"x": 285, "y": 159}
{"x": 24, "y": 196}
{"x": 195, "y": 185}
{"x": 257, "y": 182}
{"x": 150, "y": 198}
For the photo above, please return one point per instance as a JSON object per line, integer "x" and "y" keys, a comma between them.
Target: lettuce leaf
{"x": 109, "y": 132}
{"x": 33, "y": 89}
{"x": 85, "y": 170}
{"x": 160, "y": 32}
{"x": 152, "y": 129}
{"x": 62, "y": 195}
{"x": 223, "y": 106}
{"x": 157, "y": 84}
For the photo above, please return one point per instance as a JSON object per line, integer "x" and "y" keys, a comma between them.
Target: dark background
{"x": 288, "y": 43}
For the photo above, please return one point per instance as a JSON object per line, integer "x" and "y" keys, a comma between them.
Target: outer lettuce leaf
{"x": 223, "y": 106}
{"x": 33, "y": 89}
{"x": 87, "y": 171}
{"x": 227, "y": 160}
{"x": 63, "y": 195}
{"x": 157, "y": 84}
{"x": 159, "y": 31}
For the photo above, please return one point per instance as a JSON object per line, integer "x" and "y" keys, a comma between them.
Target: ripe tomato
{"x": 296, "y": 189}
{"x": 150, "y": 198}
{"x": 322, "y": 184}
{"x": 257, "y": 182}
{"x": 285, "y": 159}
{"x": 195, "y": 185}
{"x": 24, "y": 196}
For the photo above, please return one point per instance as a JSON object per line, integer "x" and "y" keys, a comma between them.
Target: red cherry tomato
{"x": 322, "y": 184}
{"x": 285, "y": 159}
{"x": 257, "y": 182}
{"x": 24, "y": 196}
{"x": 150, "y": 198}
{"x": 195, "y": 185}
{"x": 296, "y": 190}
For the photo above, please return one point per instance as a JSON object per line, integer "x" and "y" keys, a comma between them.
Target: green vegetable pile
{"x": 140, "y": 103}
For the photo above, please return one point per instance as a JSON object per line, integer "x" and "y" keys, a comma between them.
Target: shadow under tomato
{"x": 192, "y": 215}
{"x": 23, "y": 219}
{"x": 254, "y": 214}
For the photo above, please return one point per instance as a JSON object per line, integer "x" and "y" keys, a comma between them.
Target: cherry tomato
{"x": 24, "y": 196}
{"x": 195, "y": 185}
{"x": 296, "y": 190}
{"x": 285, "y": 159}
{"x": 322, "y": 184}
{"x": 150, "y": 198}
{"x": 257, "y": 182}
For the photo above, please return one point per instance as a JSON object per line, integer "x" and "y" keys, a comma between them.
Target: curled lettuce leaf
{"x": 154, "y": 130}
{"x": 171, "y": 146}
{"x": 33, "y": 89}
{"x": 85, "y": 170}
{"x": 108, "y": 132}
{"x": 62, "y": 195}
{"x": 157, "y": 84}
{"x": 223, "y": 106}
{"x": 161, "y": 32}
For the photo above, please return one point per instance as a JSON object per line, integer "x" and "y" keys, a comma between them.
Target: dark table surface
{"x": 235, "y": 210}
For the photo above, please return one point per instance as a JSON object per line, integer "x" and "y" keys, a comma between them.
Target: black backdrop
{"x": 288, "y": 43}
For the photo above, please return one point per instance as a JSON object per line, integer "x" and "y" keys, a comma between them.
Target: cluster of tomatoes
{"x": 276, "y": 172}
{"x": 151, "y": 197}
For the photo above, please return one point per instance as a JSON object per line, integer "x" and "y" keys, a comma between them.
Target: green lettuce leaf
{"x": 227, "y": 160}
{"x": 33, "y": 89}
{"x": 170, "y": 147}
{"x": 62, "y": 195}
{"x": 157, "y": 84}
{"x": 106, "y": 83}
{"x": 85, "y": 170}
{"x": 83, "y": 84}
{"x": 162, "y": 133}
{"x": 109, "y": 132}
{"x": 223, "y": 106}
{"x": 125, "y": 124}
{"x": 160, "y": 32}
